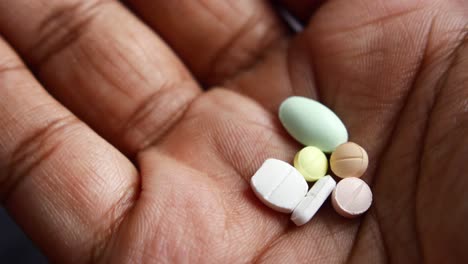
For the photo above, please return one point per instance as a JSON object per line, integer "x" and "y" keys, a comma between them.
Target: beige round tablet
{"x": 351, "y": 197}
{"x": 349, "y": 160}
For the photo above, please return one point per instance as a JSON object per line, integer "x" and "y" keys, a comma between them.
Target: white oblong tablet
{"x": 279, "y": 185}
{"x": 313, "y": 201}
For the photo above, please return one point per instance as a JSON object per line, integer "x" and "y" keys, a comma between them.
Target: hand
{"x": 118, "y": 155}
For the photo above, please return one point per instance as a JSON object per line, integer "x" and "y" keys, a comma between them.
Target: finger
{"x": 62, "y": 183}
{"x": 302, "y": 9}
{"x": 216, "y": 39}
{"x": 118, "y": 77}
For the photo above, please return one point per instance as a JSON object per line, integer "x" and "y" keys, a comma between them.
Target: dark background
{"x": 15, "y": 247}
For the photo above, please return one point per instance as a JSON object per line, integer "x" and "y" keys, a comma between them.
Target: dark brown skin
{"x": 137, "y": 138}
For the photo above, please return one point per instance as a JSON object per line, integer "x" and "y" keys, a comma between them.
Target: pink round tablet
{"x": 351, "y": 197}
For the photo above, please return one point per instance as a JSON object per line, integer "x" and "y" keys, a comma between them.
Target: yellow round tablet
{"x": 312, "y": 163}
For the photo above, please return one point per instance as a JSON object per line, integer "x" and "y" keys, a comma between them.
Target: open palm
{"x": 118, "y": 155}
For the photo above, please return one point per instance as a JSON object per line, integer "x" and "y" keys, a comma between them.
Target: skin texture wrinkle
{"x": 129, "y": 131}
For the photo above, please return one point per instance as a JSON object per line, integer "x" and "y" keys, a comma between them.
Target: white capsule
{"x": 279, "y": 185}
{"x": 317, "y": 195}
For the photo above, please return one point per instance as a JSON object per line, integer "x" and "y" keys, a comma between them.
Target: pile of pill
{"x": 284, "y": 187}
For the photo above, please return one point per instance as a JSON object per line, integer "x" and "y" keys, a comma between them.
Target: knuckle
{"x": 153, "y": 117}
{"x": 244, "y": 47}
{"x": 40, "y": 145}
{"x": 63, "y": 26}
{"x": 8, "y": 66}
